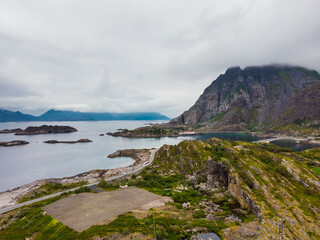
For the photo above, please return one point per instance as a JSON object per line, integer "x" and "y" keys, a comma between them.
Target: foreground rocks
{"x": 83, "y": 140}
{"x": 13, "y": 143}
{"x": 46, "y": 129}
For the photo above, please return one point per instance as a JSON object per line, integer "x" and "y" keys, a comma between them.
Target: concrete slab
{"x": 86, "y": 209}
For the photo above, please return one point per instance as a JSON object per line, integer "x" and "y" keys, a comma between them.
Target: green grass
{"x": 316, "y": 170}
{"x": 50, "y": 188}
{"x": 107, "y": 186}
{"x": 31, "y": 221}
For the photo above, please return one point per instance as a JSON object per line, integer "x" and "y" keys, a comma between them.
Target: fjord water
{"x": 23, "y": 164}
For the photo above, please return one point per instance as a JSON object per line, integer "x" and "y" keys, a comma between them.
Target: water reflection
{"x": 288, "y": 143}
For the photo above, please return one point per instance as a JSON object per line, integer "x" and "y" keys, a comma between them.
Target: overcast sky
{"x": 129, "y": 56}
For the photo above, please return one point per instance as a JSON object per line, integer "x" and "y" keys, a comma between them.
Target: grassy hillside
{"x": 277, "y": 184}
{"x": 238, "y": 190}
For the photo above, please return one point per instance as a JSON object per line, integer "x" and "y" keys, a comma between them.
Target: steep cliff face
{"x": 251, "y": 98}
{"x": 304, "y": 106}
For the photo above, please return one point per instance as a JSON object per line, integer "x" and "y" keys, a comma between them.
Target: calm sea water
{"x": 294, "y": 145}
{"x": 23, "y": 164}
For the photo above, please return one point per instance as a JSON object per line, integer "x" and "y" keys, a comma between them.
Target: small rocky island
{"x": 46, "y": 129}
{"x": 15, "y": 130}
{"x": 13, "y": 143}
{"x": 83, "y": 140}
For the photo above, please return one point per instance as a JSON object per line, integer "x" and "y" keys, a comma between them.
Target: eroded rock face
{"x": 255, "y": 95}
{"x": 234, "y": 187}
{"x": 46, "y": 129}
{"x": 219, "y": 175}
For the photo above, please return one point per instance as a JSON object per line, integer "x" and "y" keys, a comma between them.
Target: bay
{"x": 296, "y": 146}
{"x": 24, "y": 164}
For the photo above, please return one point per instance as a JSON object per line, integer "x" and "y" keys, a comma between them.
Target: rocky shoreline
{"x": 168, "y": 130}
{"x": 141, "y": 135}
{"x": 140, "y": 156}
{"x": 152, "y": 131}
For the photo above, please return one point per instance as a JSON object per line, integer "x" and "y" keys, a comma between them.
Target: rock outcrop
{"x": 255, "y": 98}
{"x": 15, "y": 130}
{"x": 83, "y": 140}
{"x": 46, "y": 129}
{"x": 13, "y": 143}
{"x": 139, "y": 155}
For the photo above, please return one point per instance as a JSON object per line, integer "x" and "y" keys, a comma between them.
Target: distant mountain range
{"x": 56, "y": 115}
{"x": 258, "y": 98}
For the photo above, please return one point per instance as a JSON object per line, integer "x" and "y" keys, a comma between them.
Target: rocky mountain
{"x": 305, "y": 105}
{"x": 56, "y": 115}
{"x": 257, "y": 98}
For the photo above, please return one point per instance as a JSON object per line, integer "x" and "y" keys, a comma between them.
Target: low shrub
{"x": 199, "y": 214}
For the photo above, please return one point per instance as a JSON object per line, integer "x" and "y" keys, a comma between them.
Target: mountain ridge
{"x": 254, "y": 98}
{"x": 59, "y": 115}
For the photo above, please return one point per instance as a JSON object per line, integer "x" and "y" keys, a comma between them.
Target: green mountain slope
{"x": 277, "y": 185}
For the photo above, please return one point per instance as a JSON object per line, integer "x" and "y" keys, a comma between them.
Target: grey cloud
{"x": 142, "y": 56}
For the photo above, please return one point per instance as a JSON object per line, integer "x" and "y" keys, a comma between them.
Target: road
{"x": 7, "y": 209}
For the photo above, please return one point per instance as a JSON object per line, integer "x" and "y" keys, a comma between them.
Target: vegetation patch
{"x": 50, "y": 188}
